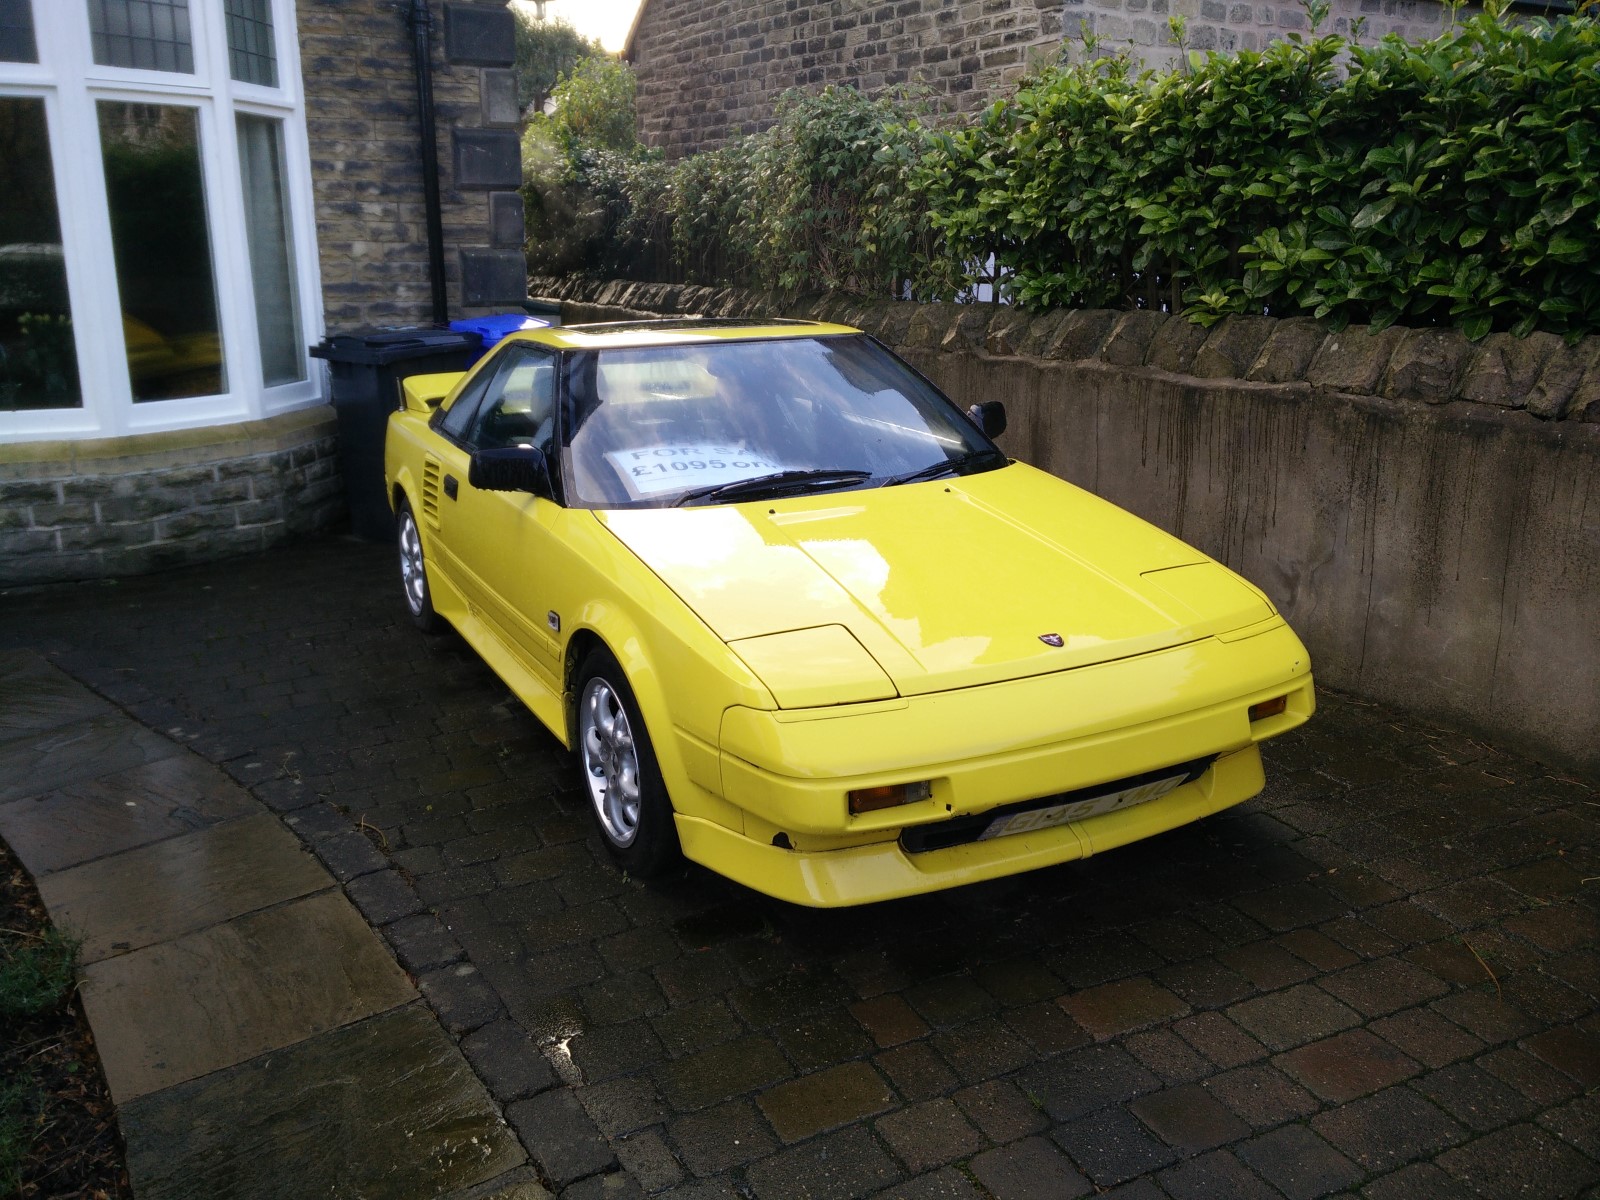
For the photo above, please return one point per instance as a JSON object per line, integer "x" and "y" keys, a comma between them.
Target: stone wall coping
{"x": 1542, "y": 375}
{"x": 171, "y": 448}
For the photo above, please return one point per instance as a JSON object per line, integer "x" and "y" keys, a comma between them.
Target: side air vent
{"x": 430, "y": 491}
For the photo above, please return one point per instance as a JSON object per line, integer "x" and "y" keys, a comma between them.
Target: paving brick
{"x": 823, "y": 1040}
{"x": 1215, "y": 1176}
{"x": 888, "y": 1020}
{"x": 560, "y": 1135}
{"x": 1082, "y": 1081}
{"x": 947, "y": 1183}
{"x": 715, "y": 1139}
{"x": 1262, "y": 1096}
{"x": 1388, "y": 1129}
{"x": 1268, "y": 965}
{"x": 1347, "y": 1065}
{"x": 1426, "y": 1036}
{"x": 1577, "y": 1123}
{"x": 1292, "y": 1018}
{"x": 1018, "y": 981}
{"x": 826, "y": 1100}
{"x": 1204, "y": 983}
{"x": 1419, "y": 1181}
{"x": 1384, "y": 986}
{"x": 1046, "y": 1028}
{"x": 1485, "y": 1016}
{"x": 1522, "y": 1161}
{"x": 1474, "y": 1097}
{"x": 1189, "y": 1119}
{"x": 1112, "y": 1146}
{"x": 611, "y": 1050}
{"x": 1299, "y": 1163}
{"x": 952, "y": 1000}
{"x": 1000, "y": 1110}
{"x": 648, "y": 1159}
{"x": 1219, "y": 1039}
{"x": 613, "y": 1185}
{"x": 1114, "y": 1008}
{"x": 1031, "y": 1169}
{"x": 721, "y": 1072}
{"x": 383, "y": 897}
{"x": 461, "y": 996}
{"x": 1169, "y": 1056}
{"x": 1321, "y": 951}
{"x": 507, "y": 1061}
{"x": 619, "y": 1107}
{"x": 929, "y": 1135}
{"x": 1569, "y": 1050}
{"x": 1538, "y": 1081}
{"x": 916, "y": 1071}
{"x": 840, "y": 1166}
{"x": 982, "y": 1049}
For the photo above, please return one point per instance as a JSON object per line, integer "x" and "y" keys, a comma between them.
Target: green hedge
{"x": 1447, "y": 182}
{"x": 1452, "y": 182}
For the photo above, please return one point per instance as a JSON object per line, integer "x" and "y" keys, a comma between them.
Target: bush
{"x": 1448, "y": 182}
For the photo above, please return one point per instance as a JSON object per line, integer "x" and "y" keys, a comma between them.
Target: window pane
{"x": 150, "y": 35}
{"x": 156, "y": 194}
{"x": 16, "y": 32}
{"x": 266, "y": 218}
{"x": 250, "y": 50}
{"x": 38, "y": 364}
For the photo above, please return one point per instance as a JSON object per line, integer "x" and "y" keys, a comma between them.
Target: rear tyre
{"x": 626, "y": 793}
{"x": 414, "y": 573}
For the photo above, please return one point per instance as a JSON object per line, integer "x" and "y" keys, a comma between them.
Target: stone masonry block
{"x": 1425, "y": 365}
{"x": 492, "y": 277}
{"x": 1504, "y": 369}
{"x": 1130, "y": 339}
{"x": 1354, "y": 361}
{"x": 478, "y": 34}
{"x": 1081, "y": 335}
{"x": 970, "y": 329}
{"x": 1175, "y": 345}
{"x": 506, "y": 220}
{"x": 1289, "y": 352}
{"x": 1564, "y": 372}
{"x": 500, "y": 105}
{"x": 487, "y": 158}
{"x": 1233, "y": 347}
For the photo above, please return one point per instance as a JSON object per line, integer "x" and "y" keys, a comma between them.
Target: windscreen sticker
{"x": 652, "y": 470}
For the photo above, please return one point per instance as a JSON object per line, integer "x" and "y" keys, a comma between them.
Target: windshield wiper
{"x": 949, "y": 466}
{"x": 776, "y": 484}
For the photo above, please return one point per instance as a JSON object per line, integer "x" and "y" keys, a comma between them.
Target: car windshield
{"x": 709, "y": 422}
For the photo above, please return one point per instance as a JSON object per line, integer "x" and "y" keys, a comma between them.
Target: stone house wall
{"x": 366, "y": 159}
{"x": 128, "y": 506}
{"x": 1425, "y": 510}
{"x": 709, "y": 72}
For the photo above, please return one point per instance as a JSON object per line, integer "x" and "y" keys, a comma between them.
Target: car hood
{"x": 920, "y": 588}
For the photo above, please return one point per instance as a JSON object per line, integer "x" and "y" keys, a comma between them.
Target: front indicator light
{"x": 863, "y": 800}
{"x": 1269, "y": 708}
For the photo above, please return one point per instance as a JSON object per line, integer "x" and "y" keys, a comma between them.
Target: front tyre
{"x": 414, "y": 573}
{"x": 620, "y": 775}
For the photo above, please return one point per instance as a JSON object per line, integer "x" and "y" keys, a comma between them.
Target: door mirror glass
{"x": 511, "y": 469}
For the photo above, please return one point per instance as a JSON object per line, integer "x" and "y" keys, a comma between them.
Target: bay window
{"x": 157, "y": 245}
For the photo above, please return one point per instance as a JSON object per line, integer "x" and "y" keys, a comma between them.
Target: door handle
{"x": 451, "y": 486}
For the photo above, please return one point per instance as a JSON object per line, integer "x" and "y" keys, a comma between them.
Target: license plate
{"x": 1077, "y": 810}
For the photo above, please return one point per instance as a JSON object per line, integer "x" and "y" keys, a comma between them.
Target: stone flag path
{"x": 1381, "y": 978}
{"x": 257, "y": 1037}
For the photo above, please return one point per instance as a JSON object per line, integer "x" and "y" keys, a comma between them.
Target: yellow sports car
{"x": 804, "y": 623}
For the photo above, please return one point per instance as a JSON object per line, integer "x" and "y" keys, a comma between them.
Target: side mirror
{"x": 511, "y": 469}
{"x": 989, "y": 417}
{"x": 424, "y": 393}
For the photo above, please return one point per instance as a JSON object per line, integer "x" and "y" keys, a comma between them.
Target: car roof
{"x": 675, "y": 331}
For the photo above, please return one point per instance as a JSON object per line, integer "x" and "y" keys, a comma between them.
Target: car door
{"x": 495, "y": 543}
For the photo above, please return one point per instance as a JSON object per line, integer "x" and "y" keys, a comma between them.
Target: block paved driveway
{"x": 1379, "y": 978}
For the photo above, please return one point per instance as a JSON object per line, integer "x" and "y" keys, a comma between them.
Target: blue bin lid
{"x": 495, "y": 326}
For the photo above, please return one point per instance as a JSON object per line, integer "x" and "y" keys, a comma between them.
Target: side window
{"x": 454, "y": 421}
{"x": 519, "y": 407}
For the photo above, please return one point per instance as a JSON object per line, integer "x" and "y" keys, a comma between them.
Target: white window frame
{"x": 72, "y": 85}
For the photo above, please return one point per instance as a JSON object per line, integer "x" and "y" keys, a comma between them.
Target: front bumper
{"x": 985, "y": 747}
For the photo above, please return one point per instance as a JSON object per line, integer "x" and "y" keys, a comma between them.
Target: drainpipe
{"x": 420, "y": 22}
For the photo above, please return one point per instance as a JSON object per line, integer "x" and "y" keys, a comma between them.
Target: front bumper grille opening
{"x": 958, "y": 831}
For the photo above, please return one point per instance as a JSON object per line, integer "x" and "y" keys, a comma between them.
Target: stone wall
{"x": 126, "y": 506}
{"x": 366, "y": 159}
{"x": 1425, "y": 510}
{"x": 712, "y": 71}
